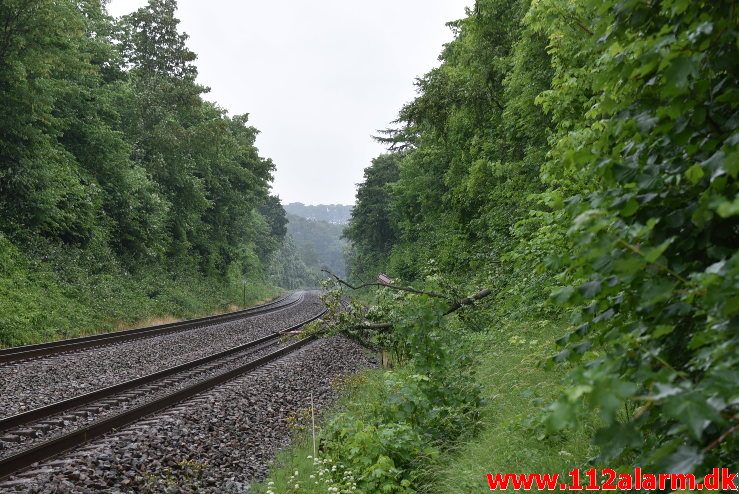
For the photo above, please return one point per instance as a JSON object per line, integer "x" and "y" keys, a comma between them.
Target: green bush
{"x": 652, "y": 277}
{"x": 585, "y": 149}
{"x": 55, "y": 292}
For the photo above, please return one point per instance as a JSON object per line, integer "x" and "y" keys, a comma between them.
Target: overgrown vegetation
{"x": 457, "y": 403}
{"x": 119, "y": 182}
{"x": 576, "y": 157}
{"x": 580, "y": 160}
{"x": 60, "y": 298}
{"x": 394, "y": 423}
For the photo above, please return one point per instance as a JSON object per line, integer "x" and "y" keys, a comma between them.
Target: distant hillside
{"x": 318, "y": 242}
{"x": 337, "y": 214}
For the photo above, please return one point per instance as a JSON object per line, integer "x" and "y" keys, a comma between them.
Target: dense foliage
{"x": 288, "y": 269}
{"x": 372, "y": 232}
{"x": 586, "y": 150}
{"x": 108, "y": 149}
{"x": 403, "y": 418}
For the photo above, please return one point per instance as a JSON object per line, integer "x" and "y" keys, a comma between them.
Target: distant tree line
{"x": 319, "y": 242}
{"x": 331, "y": 213}
{"x": 309, "y": 246}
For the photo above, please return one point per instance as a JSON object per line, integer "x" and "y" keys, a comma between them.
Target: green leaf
{"x": 590, "y": 289}
{"x": 583, "y": 346}
{"x": 614, "y": 439}
{"x": 684, "y": 460}
{"x": 716, "y": 164}
{"x": 610, "y": 394}
{"x": 692, "y": 412}
{"x": 574, "y": 393}
{"x": 605, "y": 315}
{"x": 701, "y": 338}
{"x": 562, "y": 294}
{"x": 562, "y": 356}
{"x": 665, "y": 390}
{"x": 726, "y": 208}
{"x": 662, "y": 329}
{"x": 631, "y": 207}
{"x": 677, "y": 74}
{"x": 582, "y": 329}
{"x": 653, "y": 253}
{"x": 656, "y": 290}
{"x": 561, "y": 415}
{"x": 695, "y": 173}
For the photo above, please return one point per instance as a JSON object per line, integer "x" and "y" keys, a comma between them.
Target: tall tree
{"x": 371, "y": 229}
{"x": 42, "y": 191}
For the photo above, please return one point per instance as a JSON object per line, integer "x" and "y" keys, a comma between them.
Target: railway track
{"x": 42, "y": 433}
{"x": 19, "y": 354}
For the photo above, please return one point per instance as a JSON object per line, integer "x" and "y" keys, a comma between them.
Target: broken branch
{"x": 468, "y": 300}
{"x": 394, "y": 287}
{"x": 453, "y": 308}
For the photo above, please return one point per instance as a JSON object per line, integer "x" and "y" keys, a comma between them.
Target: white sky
{"x": 317, "y": 78}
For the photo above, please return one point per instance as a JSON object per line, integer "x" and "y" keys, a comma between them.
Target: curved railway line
{"x": 44, "y": 432}
{"x": 19, "y": 354}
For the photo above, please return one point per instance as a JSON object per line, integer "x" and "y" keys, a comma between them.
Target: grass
{"x": 515, "y": 386}
{"x": 358, "y": 394}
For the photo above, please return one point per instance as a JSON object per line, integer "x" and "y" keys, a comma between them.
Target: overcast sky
{"x": 317, "y": 78}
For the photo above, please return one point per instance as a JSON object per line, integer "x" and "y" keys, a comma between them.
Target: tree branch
{"x": 453, "y": 308}
{"x": 723, "y": 436}
{"x": 394, "y": 287}
{"x": 576, "y": 19}
{"x": 468, "y": 300}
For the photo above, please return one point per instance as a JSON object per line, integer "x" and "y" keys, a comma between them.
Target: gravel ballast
{"x": 35, "y": 383}
{"x": 220, "y": 441}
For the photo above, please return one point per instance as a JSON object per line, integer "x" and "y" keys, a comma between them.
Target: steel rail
{"x": 14, "y": 354}
{"x": 93, "y": 396}
{"x": 47, "y": 449}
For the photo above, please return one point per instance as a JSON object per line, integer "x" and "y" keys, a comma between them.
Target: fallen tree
{"x": 384, "y": 326}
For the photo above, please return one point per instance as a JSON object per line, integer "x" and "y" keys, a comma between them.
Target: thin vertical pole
{"x": 313, "y": 424}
